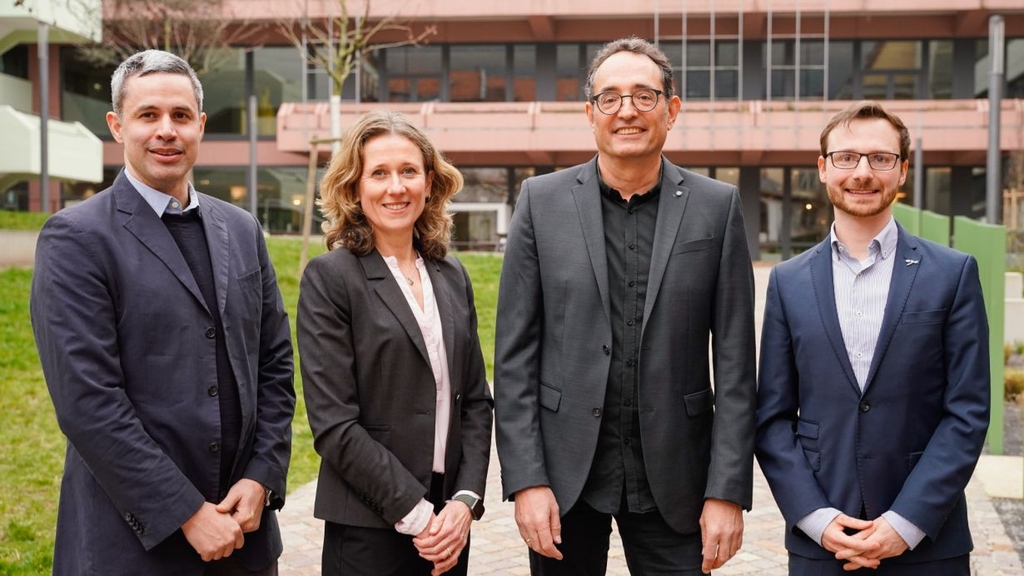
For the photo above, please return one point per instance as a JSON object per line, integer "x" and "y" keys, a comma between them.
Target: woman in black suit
{"x": 392, "y": 372}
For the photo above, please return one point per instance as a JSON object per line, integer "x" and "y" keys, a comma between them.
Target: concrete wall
{"x": 1014, "y": 325}
{"x": 18, "y": 247}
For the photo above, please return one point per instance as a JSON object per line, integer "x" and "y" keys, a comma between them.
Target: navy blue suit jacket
{"x": 910, "y": 441}
{"x": 122, "y": 333}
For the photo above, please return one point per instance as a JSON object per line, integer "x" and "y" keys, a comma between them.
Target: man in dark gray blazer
{"x": 616, "y": 274}
{"x": 167, "y": 353}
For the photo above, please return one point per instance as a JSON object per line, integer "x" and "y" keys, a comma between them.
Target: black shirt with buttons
{"x": 618, "y": 479}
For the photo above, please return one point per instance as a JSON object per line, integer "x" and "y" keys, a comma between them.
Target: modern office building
{"x": 498, "y": 85}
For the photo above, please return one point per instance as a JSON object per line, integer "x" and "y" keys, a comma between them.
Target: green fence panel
{"x": 935, "y": 227}
{"x": 908, "y": 217}
{"x": 987, "y": 243}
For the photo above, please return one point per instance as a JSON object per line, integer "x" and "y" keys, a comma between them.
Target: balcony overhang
{"x": 75, "y": 153}
{"x": 70, "y": 22}
{"x": 952, "y": 132}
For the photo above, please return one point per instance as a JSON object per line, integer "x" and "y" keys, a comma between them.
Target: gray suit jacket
{"x": 370, "y": 392}
{"x": 552, "y": 350}
{"x": 122, "y": 333}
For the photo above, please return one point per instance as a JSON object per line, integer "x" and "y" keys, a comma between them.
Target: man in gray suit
{"x": 167, "y": 353}
{"x": 616, "y": 274}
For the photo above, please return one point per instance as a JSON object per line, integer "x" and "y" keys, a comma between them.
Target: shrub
{"x": 1013, "y": 383}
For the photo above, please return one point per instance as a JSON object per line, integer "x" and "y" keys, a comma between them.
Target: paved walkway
{"x": 497, "y": 549}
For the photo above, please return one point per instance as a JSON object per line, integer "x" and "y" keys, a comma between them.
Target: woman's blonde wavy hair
{"x": 346, "y": 225}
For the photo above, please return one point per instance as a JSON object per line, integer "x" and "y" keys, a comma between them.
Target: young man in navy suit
{"x": 873, "y": 396}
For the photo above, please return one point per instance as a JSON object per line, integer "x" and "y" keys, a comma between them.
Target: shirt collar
{"x": 614, "y": 195}
{"x": 159, "y": 201}
{"x": 883, "y": 244}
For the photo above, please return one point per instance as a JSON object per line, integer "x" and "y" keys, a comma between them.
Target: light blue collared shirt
{"x": 861, "y": 291}
{"x": 161, "y": 202}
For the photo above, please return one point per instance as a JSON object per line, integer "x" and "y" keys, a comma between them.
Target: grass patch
{"x": 22, "y": 220}
{"x": 32, "y": 460}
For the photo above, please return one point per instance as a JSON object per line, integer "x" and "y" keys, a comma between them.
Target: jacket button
{"x": 211, "y": 332}
{"x": 629, "y": 362}
{"x": 606, "y": 350}
{"x": 212, "y": 391}
{"x": 864, "y": 406}
{"x": 596, "y": 412}
{"x": 214, "y": 447}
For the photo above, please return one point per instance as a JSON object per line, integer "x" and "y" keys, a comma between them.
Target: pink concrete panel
{"x": 749, "y": 131}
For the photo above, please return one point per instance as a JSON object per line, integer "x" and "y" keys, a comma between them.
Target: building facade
{"x": 499, "y": 87}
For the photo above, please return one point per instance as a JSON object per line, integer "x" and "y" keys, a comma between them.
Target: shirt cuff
{"x": 911, "y": 534}
{"x": 416, "y": 520}
{"x": 470, "y": 492}
{"x": 814, "y": 524}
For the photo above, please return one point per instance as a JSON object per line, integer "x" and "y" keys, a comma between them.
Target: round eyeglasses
{"x": 644, "y": 100}
{"x": 876, "y": 160}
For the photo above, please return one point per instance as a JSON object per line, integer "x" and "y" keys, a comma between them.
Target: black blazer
{"x": 370, "y": 393}
{"x": 553, "y": 339}
{"x": 122, "y": 333}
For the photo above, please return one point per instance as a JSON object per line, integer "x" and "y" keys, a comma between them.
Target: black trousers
{"x": 959, "y": 566}
{"x": 651, "y": 545}
{"x": 358, "y": 551}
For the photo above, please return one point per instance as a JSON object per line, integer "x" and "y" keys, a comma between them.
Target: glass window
{"x": 811, "y": 210}
{"x": 940, "y": 70}
{"x": 224, "y": 96}
{"x": 278, "y": 79}
{"x": 524, "y": 73}
{"x": 85, "y": 92}
{"x": 1014, "y": 68}
{"x": 770, "y": 230}
{"x": 280, "y": 193}
{"x": 14, "y": 62}
{"x": 413, "y": 73}
{"x": 938, "y": 189}
{"x": 75, "y": 192}
{"x": 483, "y": 185}
{"x": 841, "y": 74}
{"x": 699, "y": 71}
{"x": 477, "y": 73}
{"x": 569, "y": 71}
{"x": 786, "y": 70}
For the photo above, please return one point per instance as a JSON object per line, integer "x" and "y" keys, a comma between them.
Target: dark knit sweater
{"x": 187, "y": 230}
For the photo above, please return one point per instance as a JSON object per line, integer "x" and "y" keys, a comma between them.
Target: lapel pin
{"x": 911, "y": 262}
{"x": 679, "y": 193}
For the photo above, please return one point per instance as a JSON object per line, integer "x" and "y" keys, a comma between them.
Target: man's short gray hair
{"x": 151, "y": 62}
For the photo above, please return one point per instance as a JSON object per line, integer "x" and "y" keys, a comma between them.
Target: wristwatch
{"x": 476, "y": 505}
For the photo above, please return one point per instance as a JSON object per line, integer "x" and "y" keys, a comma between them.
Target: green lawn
{"x": 33, "y": 454}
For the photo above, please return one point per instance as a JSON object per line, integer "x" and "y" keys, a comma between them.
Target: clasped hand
{"x": 447, "y": 533}
{"x": 872, "y": 542}
{"x": 215, "y": 531}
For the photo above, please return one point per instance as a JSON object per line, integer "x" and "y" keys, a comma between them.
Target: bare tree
{"x": 200, "y": 31}
{"x": 338, "y": 44}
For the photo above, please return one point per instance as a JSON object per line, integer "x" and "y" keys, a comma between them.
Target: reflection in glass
{"x": 477, "y": 73}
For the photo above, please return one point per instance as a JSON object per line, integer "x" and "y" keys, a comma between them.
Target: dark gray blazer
{"x": 552, "y": 350}
{"x": 121, "y": 329}
{"x": 370, "y": 392}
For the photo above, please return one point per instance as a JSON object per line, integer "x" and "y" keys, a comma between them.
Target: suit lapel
{"x": 903, "y": 276}
{"x": 825, "y": 296}
{"x": 143, "y": 223}
{"x": 379, "y": 276}
{"x": 671, "y": 206}
{"x": 443, "y": 299}
{"x": 217, "y": 238}
{"x": 588, "y": 204}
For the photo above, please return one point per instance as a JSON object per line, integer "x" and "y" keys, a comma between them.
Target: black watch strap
{"x": 476, "y": 505}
